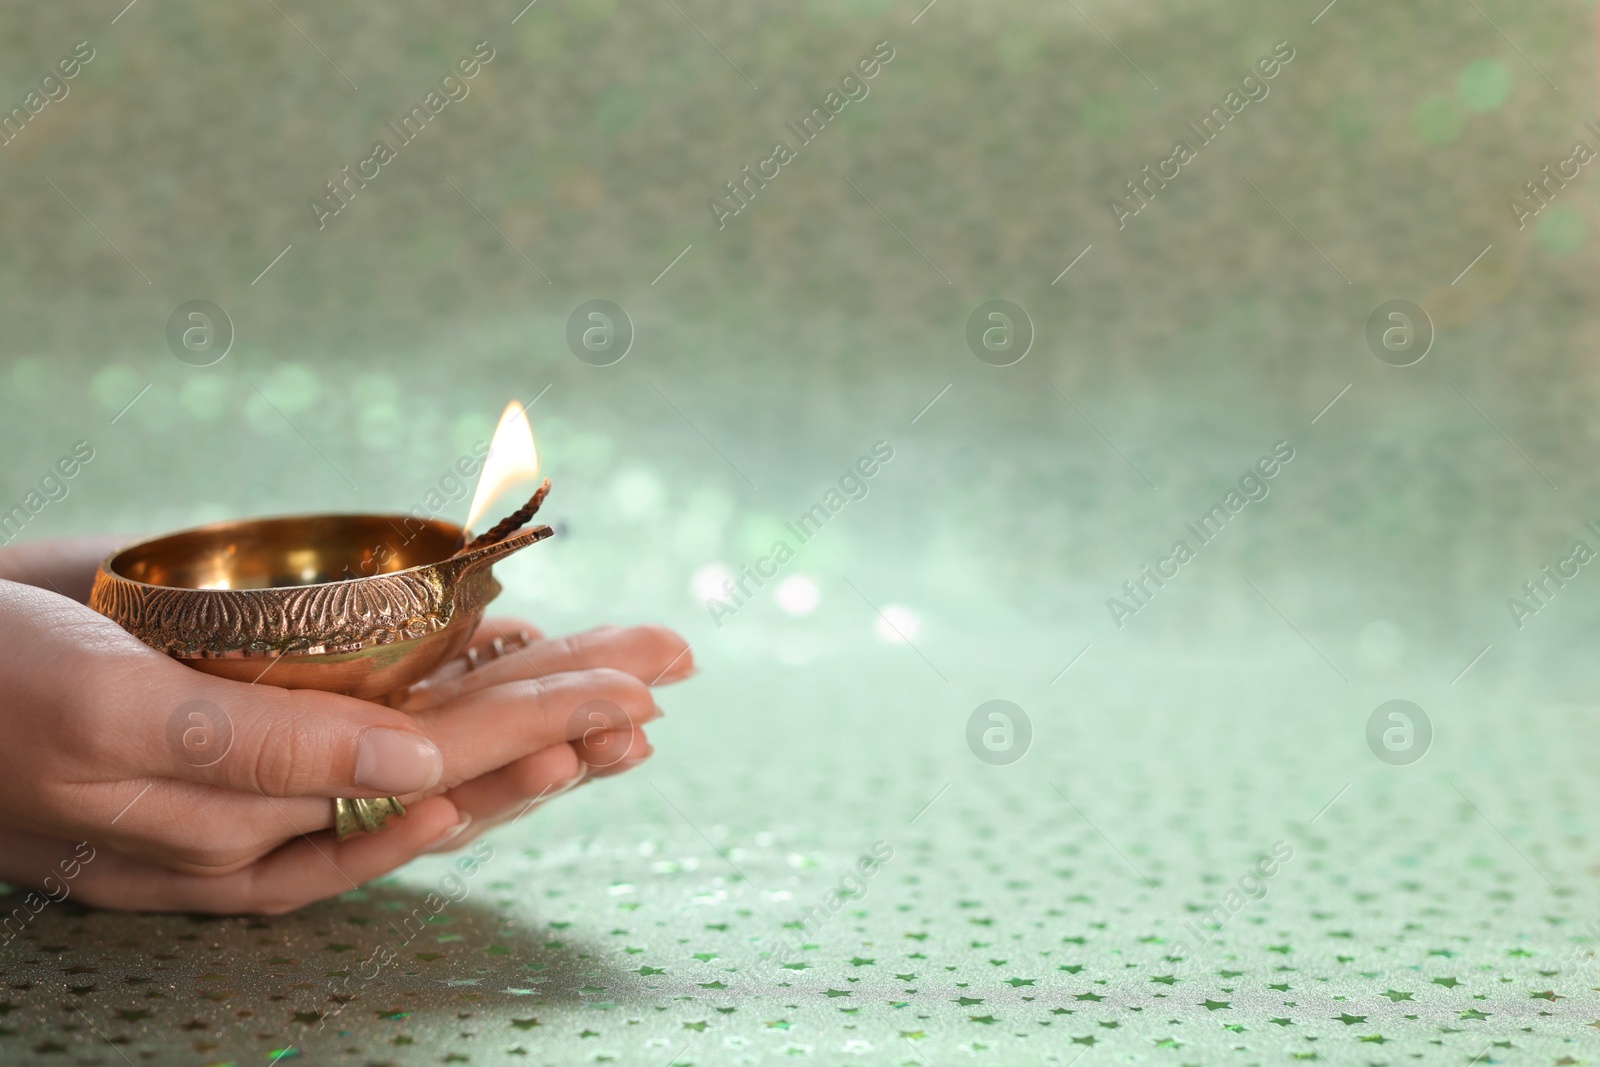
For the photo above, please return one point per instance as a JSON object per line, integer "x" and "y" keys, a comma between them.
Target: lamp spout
{"x": 470, "y": 560}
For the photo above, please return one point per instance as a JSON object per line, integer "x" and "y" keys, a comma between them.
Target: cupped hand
{"x": 199, "y": 793}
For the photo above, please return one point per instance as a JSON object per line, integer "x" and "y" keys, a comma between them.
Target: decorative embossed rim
{"x": 319, "y": 618}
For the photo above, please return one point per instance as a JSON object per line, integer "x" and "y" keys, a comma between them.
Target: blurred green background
{"x": 767, "y": 357}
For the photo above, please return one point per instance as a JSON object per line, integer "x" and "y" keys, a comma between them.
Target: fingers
{"x": 506, "y": 795}
{"x": 488, "y": 729}
{"x": 653, "y": 654}
{"x": 548, "y": 773}
{"x": 189, "y": 827}
{"x": 257, "y": 739}
{"x": 607, "y": 752}
{"x": 303, "y": 871}
{"x": 517, "y": 787}
{"x": 66, "y": 566}
{"x": 203, "y": 830}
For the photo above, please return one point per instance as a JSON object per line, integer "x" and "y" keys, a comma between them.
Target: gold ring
{"x": 367, "y": 815}
{"x": 498, "y": 647}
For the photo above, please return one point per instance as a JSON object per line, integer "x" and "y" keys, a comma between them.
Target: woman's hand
{"x": 198, "y": 793}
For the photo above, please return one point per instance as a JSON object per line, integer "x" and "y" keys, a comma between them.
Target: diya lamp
{"x": 361, "y": 605}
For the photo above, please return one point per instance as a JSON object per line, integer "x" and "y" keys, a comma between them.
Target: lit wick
{"x": 510, "y": 524}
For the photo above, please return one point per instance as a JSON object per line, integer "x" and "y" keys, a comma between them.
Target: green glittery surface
{"x": 1103, "y": 899}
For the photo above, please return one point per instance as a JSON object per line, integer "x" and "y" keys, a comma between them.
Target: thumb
{"x": 111, "y": 706}
{"x": 287, "y": 742}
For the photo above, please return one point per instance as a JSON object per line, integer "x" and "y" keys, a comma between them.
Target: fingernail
{"x": 450, "y": 835}
{"x": 571, "y": 783}
{"x": 634, "y": 761}
{"x": 397, "y": 761}
{"x": 658, "y": 712}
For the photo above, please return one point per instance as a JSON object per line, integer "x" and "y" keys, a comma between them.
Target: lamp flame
{"x": 512, "y": 460}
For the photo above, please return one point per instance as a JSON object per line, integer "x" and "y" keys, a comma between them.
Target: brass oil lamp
{"x": 361, "y": 605}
